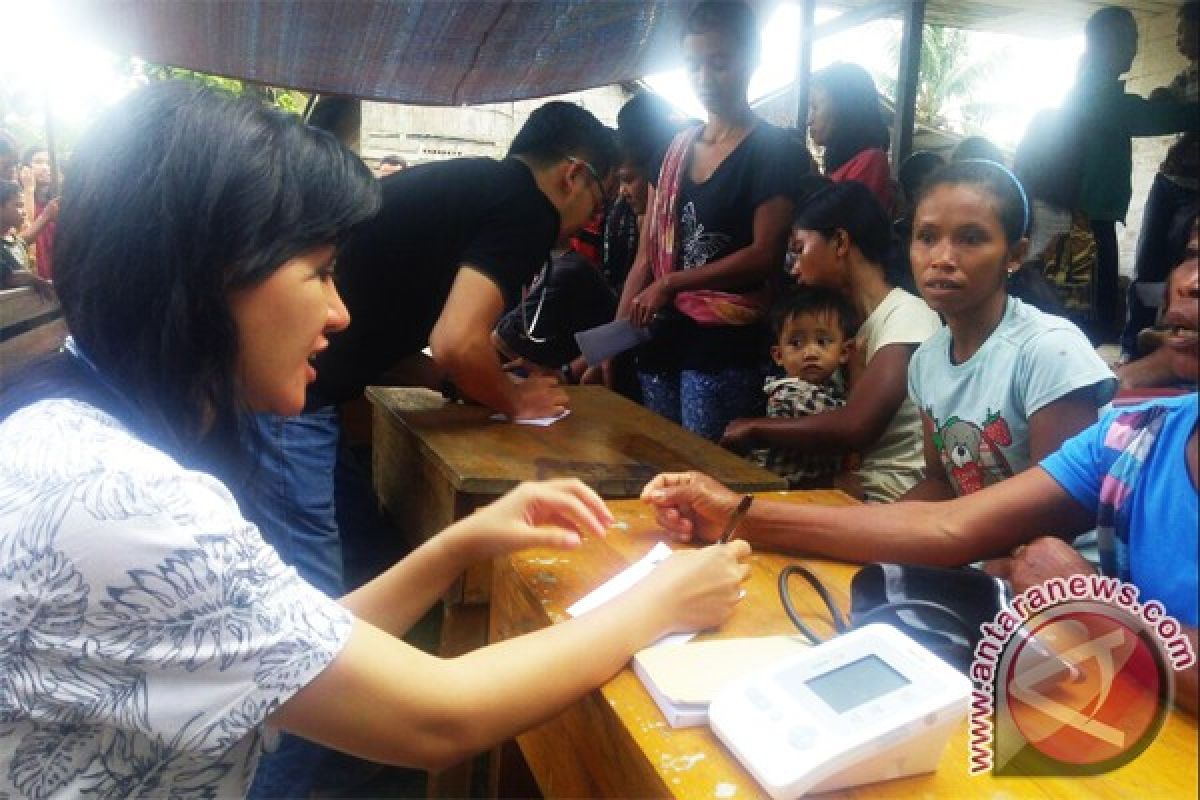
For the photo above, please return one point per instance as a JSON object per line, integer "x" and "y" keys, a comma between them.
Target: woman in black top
{"x": 715, "y": 233}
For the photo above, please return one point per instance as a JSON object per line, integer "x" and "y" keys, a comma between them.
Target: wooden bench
{"x": 30, "y": 326}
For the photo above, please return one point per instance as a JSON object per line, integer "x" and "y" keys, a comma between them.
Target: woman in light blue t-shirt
{"x": 1134, "y": 475}
{"x": 1003, "y": 384}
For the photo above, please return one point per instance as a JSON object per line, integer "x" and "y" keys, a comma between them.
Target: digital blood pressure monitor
{"x": 867, "y": 706}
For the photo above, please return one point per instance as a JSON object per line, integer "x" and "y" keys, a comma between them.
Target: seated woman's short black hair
{"x": 851, "y": 207}
{"x": 176, "y": 196}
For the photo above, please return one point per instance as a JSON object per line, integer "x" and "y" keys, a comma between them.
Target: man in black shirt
{"x": 454, "y": 244}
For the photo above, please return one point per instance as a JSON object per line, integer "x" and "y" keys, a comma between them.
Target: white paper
{"x": 541, "y": 422}
{"x": 623, "y": 582}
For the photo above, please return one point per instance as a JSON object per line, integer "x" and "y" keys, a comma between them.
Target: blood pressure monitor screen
{"x": 850, "y": 685}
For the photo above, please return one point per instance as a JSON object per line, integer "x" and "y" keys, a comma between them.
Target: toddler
{"x": 814, "y": 329}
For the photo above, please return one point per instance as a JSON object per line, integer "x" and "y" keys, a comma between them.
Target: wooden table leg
{"x": 509, "y": 775}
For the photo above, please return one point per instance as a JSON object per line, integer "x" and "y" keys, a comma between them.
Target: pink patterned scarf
{"x": 705, "y": 306}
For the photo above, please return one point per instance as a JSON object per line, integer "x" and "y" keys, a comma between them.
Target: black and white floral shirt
{"x": 146, "y": 630}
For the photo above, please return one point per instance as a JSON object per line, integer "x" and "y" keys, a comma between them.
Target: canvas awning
{"x": 427, "y": 52}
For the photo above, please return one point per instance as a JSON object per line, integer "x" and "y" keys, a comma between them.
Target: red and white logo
{"x": 1071, "y": 686}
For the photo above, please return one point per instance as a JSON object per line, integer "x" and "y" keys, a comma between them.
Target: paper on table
{"x": 622, "y": 582}
{"x": 541, "y": 422}
{"x": 683, "y": 680}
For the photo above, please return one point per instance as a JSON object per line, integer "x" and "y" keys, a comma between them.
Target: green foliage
{"x": 949, "y": 75}
{"x": 288, "y": 100}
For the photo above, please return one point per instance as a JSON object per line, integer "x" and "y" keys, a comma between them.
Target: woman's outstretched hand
{"x": 543, "y": 514}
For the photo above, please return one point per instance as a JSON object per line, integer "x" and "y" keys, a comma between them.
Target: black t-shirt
{"x": 574, "y": 297}
{"x": 716, "y": 218}
{"x": 620, "y": 243}
{"x": 396, "y": 271}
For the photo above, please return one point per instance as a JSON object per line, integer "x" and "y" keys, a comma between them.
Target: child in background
{"x": 814, "y": 328}
{"x": 15, "y": 264}
{"x": 1003, "y": 384}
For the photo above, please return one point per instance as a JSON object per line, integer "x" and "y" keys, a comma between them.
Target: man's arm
{"x": 1187, "y": 682}
{"x": 986, "y": 524}
{"x": 1050, "y": 557}
{"x": 461, "y": 342}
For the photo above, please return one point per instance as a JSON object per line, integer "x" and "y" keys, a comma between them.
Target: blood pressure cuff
{"x": 941, "y": 609}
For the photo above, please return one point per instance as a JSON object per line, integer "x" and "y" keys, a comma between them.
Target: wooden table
{"x": 435, "y": 462}
{"x": 615, "y": 743}
{"x": 30, "y": 326}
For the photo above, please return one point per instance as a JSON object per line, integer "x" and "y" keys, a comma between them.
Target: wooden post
{"x": 51, "y": 151}
{"x": 804, "y": 63}
{"x": 906, "y": 83}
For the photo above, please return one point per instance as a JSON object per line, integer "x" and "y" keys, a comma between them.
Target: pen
{"x": 735, "y": 518}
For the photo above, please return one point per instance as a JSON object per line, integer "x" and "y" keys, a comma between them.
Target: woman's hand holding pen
{"x": 697, "y": 590}
{"x": 690, "y": 505}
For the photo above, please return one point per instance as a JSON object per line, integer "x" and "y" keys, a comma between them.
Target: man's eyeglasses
{"x": 596, "y": 177}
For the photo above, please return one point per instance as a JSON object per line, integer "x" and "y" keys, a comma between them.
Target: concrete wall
{"x": 1157, "y": 63}
{"x": 425, "y": 133}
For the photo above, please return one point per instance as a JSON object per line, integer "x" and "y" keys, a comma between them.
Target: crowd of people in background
{"x": 920, "y": 342}
{"x": 28, "y": 210}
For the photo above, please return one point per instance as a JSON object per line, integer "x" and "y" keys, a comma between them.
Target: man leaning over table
{"x": 454, "y": 245}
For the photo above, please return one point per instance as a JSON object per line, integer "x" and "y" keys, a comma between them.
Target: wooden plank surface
{"x": 615, "y": 742}
{"x": 30, "y": 326}
{"x": 612, "y": 444}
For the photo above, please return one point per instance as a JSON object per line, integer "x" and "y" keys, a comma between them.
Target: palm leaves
{"x": 951, "y": 78}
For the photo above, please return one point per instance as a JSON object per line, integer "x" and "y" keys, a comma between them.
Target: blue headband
{"x": 1016, "y": 181}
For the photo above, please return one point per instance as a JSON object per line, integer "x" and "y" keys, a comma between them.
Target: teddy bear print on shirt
{"x": 971, "y": 454}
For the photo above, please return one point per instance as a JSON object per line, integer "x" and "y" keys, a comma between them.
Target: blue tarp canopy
{"x": 428, "y": 52}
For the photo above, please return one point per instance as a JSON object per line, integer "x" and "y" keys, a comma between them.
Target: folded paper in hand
{"x": 612, "y": 338}
{"x": 683, "y": 678}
